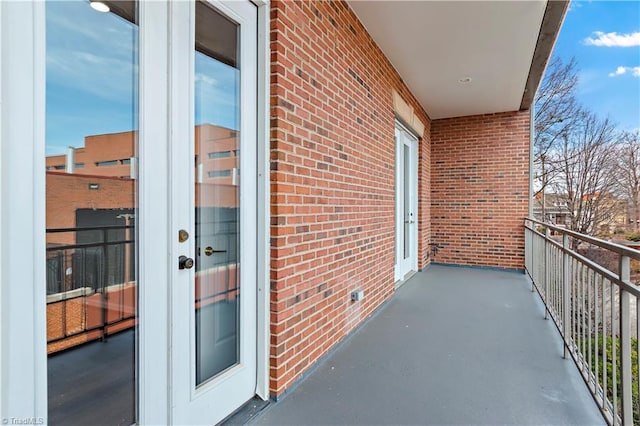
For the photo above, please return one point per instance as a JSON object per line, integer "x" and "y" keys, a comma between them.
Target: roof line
{"x": 549, "y": 29}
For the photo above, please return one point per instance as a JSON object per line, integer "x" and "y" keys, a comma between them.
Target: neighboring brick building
{"x": 113, "y": 155}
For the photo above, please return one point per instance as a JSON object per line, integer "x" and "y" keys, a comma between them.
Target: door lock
{"x": 185, "y": 262}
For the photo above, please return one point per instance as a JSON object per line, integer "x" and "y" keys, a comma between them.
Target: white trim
{"x": 39, "y": 221}
{"x": 153, "y": 220}
{"x": 415, "y": 152}
{"x": 405, "y": 137}
{"x": 22, "y": 265}
{"x": 1, "y": 209}
{"x": 397, "y": 273}
{"x": 181, "y": 107}
{"x": 264, "y": 203}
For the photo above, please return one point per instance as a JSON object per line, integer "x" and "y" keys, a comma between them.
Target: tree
{"x": 629, "y": 174}
{"x": 556, "y": 113}
{"x": 586, "y": 178}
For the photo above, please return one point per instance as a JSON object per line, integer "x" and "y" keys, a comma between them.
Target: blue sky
{"x": 90, "y": 74}
{"x": 92, "y": 78}
{"x": 604, "y": 37}
{"x": 92, "y": 70}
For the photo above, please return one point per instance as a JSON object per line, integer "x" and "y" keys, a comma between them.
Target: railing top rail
{"x": 89, "y": 228}
{"x": 616, "y": 248}
{"x": 87, "y": 245}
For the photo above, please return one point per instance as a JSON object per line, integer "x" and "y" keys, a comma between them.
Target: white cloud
{"x": 574, "y": 5}
{"x": 635, "y": 71}
{"x": 613, "y": 39}
{"x": 618, "y": 71}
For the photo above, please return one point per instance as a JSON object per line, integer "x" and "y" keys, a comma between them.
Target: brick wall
{"x": 480, "y": 189}
{"x": 332, "y": 181}
{"x": 68, "y": 192}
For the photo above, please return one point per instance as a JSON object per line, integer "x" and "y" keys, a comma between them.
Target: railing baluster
{"x": 597, "y": 328}
{"x": 638, "y": 351}
{"x": 576, "y": 308}
{"x": 625, "y": 342}
{"x": 566, "y": 296}
{"x": 589, "y": 325}
{"x": 585, "y": 314}
{"x": 614, "y": 355}
{"x": 546, "y": 271}
{"x": 527, "y": 248}
{"x": 558, "y": 282}
{"x": 604, "y": 346}
{"x": 63, "y": 279}
{"x": 105, "y": 286}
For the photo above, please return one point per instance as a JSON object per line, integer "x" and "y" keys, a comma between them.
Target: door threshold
{"x": 404, "y": 279}
{"x": 248, "y": 411}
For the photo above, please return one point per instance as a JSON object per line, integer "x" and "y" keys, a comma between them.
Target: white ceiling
{"x": 433, "y": 44}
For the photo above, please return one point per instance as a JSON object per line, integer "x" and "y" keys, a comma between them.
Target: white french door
{"x": 213, "y": 208}
{"x": 159, "y": 100}
{"x": 406, "y": 203}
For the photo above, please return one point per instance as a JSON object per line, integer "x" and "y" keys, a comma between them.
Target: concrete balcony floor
{"x": 454, "y": 346}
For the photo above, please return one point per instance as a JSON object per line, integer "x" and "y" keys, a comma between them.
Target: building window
{"x": 106, "y": 163}
{"x": 220, "y": 154}
{"x": 219, "y": 173}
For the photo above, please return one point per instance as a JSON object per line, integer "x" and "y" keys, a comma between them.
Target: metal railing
{"x": 90, "y": 283}
{"x": 91, "y": 278}
{"x": 585, "y": 285}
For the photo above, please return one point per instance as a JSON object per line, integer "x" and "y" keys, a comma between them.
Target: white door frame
{"x": 403, "y": 265}
{"x": 153, "y": 301}
{"x": 23, "y": 358}
{"x": 23, "y": 354}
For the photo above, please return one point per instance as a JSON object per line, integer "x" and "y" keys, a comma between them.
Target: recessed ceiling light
{"x": 465, "y": 80}
{"x": 99, "y": 6}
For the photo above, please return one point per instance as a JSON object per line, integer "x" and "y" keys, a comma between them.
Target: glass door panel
{"x": 407, "y": 208}
{"x": 217, "y": 209}
{"x": 91, "y": 139}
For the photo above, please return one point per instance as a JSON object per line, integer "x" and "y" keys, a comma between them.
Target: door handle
{"x": 185, "y": 262}
{"x": 208, "y": 251}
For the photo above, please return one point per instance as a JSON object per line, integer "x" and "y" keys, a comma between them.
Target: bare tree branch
{"x": 556, "y": 108}
{"x": 556, "y": 113}
{"x": 629, "y": 174}
{"x": 587, "y": 173}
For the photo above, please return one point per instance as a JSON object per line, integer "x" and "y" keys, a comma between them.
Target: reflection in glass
{"x": 408, "y": 217}
{"x": 91, "y": 112}
{"x": 217, "y": 175}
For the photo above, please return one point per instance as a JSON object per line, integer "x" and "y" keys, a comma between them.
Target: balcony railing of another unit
{"x": 91, "y": 288}
{"x": 585, "y": 284}
{"x": 91, "y": 277}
